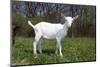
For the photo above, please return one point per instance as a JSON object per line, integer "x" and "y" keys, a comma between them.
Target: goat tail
{"x": 29, "y": 22}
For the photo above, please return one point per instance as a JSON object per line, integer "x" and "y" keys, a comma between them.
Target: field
{"x": 74, "y": 50}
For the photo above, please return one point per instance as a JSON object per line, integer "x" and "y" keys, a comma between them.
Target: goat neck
{"x": 65, "y": 27}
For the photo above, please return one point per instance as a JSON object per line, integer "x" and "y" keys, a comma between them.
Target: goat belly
{"x": 49, "y": 34}
{"x": 49, "y": 37}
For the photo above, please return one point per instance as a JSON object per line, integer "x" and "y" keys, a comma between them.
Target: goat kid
{"x": 51, "y": 31}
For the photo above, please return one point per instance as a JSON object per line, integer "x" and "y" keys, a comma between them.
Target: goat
{"x": 51, "y": 31}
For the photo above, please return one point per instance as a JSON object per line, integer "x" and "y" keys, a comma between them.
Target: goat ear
{"x": 74, "y": 18}
{"x": 62, "y": 15}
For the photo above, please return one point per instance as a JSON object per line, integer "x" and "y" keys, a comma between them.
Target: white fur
{"x": 50, "y": 31}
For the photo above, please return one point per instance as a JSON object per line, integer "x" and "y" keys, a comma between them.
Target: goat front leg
{"x": 59, "y": 46}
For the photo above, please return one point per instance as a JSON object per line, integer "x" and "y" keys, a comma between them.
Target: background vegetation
{"x": 23, "y": 11}
{"x": 79, "y": 45}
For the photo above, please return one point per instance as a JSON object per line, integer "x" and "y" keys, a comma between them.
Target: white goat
{"x": 51, "y": 31}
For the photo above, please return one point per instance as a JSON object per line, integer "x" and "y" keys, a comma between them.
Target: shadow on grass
{"x": 48, "y": 51}
{"x": 44, "y": 51}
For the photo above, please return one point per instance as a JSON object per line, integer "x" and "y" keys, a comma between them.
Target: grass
{"x": 74, "y": 50}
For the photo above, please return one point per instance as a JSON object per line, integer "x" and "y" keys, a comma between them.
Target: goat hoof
{"x": 57, "y": 55}
{"x": 61, "y": 56}
{"x": 40, "y": 52}
{"x": 35, "y": 56}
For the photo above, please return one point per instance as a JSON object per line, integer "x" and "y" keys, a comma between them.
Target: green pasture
{"x": 74, "y": 50}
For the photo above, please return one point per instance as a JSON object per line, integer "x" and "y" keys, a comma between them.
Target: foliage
{"x": 85, "y": 25}
{"x": 23, "y": 27}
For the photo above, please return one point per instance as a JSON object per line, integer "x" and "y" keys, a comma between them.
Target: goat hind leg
{"x": 56, "y": 52}
{"x": 35, "y": 47}
{"x": 37, "y": 38}
{"x": 39, "y": 45}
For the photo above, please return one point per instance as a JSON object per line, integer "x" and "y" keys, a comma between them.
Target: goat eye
{"x": 65, "y": 20}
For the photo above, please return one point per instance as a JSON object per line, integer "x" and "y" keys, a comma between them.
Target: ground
{"x": 73, "y": 49}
